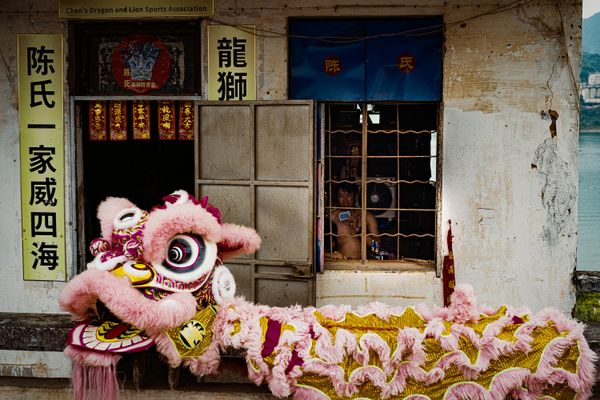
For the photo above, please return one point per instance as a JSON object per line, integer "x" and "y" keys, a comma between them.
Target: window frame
{"x": 398, "y": 265}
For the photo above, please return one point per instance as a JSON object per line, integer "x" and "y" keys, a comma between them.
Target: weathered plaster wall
{"x": 509, "y": 181}
{"x": 16, "y": 295}
{"x": 356, "y": 288}
{"x": 36, "y": 16}
{"x": 510, "y": 176}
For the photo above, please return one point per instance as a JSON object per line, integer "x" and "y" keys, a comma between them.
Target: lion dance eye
{"x": 185, "y": 253}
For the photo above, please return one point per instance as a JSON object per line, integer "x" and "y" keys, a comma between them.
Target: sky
{"x": 590, "y": 7}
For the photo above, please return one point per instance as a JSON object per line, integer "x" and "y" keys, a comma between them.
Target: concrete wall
{"x": 509, "y": 172}
{"x": 16, "y": 295}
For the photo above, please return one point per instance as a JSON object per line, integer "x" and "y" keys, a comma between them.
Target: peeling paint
{"x": 39, "y": 370}
{"x": 486, "y": 216}
{"x": 558, "y": 191}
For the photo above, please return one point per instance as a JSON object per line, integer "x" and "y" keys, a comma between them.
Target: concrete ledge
{"x": 587, "y": 281}
{"x": 56, "y": 389}
{"x": 34, "y": 332}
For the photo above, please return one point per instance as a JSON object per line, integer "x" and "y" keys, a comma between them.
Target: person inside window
{"x": 347, "y": 220}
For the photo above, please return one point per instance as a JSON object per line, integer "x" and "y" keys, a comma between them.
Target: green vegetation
{"x": 589, "y": 64}
{"x": 591, "y": 34}
{"x": 587, "y": 307}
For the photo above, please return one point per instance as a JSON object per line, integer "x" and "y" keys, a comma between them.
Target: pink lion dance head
{"x": 152, "y": 271}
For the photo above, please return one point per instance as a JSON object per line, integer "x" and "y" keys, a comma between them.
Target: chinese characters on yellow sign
{"x": 40, "y": 63}
{"x": 231, "y": 63}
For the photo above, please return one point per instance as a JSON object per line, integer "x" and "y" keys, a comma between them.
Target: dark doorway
{"x": 142, "y": 171}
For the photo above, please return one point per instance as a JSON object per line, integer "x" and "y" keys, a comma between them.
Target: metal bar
{"x": 391, "y": 157}
{"x": 331, "y": 194}
{"x": 197, "y": 144}
{"x": 438, "y": 200}
{"x": 386, "y": 181}
{"x": 404, "y": 209}
{"x": 405, "y": 235}
{"x": 385, "y": 131}
{"x": 397, "y": 185}
{"x": 395, "y": 157}
{"x": 343, "y": 131}
{"x": 363, "y": 178}
{"x": 252, "y": 184}
{"x": 321, "y": 190}
{"x": 75, "y": 239}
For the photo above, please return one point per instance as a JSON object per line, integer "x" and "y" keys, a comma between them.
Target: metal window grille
{"x": 388, "y": 151}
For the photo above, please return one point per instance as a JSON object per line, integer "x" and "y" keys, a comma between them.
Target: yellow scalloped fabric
{"x": 437, "y": 357}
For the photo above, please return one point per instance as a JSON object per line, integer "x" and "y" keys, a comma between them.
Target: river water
{"x": 588, "y": 245}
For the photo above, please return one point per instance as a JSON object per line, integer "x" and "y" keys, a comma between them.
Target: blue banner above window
{"x": 406, "y": 66}
{"x": 366, "y": 59}
{"x": 327, "y": 62}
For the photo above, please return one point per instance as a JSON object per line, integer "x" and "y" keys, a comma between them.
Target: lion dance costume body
{"x": 158, "y": 279}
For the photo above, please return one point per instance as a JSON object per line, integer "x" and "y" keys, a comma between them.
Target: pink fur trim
{"x": 466, "y": 391}
{"x": 308, "y": 393}
{"x": 108, "y": 210}
{"x": 207, "y": 363}
{"x": 165, "y": 347}
{"x": 127, "y": 303}
{"x": 237, "y": 239}
{"x": 94, "y": 383}
{"x": 93, "y": 374}
{"x": 462, "y": 304}
{"x": 163, "y": 224}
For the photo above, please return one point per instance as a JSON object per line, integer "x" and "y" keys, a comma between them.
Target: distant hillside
{"x": 591, "y": 34}
{"x": 590, "y": 64}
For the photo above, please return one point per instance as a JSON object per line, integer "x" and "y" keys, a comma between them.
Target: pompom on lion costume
{"x": 158, "y": 279}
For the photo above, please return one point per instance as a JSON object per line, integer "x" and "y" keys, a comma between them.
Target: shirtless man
{"x": 348, "y": 222}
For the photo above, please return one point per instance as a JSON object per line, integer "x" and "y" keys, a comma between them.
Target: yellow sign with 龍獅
{"x": 231, "y": 62}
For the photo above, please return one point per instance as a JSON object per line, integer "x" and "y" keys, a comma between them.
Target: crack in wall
{"x": 558, "y": 191}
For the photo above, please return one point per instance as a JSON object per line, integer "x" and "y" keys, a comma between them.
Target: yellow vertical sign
{"x": 231, "y": 62}
{"x": 40, "y": 64}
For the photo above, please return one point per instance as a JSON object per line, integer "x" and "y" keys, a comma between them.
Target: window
{"x": 380, "y": 172}
{"x": 379, "y": 81}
